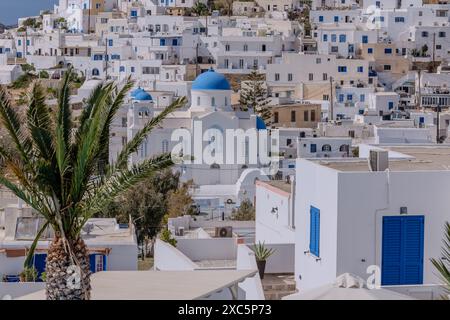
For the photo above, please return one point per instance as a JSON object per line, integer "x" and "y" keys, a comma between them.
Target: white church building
{"x": 209, "y": 158}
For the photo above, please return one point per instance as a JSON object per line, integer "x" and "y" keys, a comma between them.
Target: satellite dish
{"x": 88, "y": 227}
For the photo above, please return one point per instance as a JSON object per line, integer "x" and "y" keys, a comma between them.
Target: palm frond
{"x": 442, "y": 265}
{"x": 39, "y": 122}
{"x": 115, "y": 106}
{"x": 11, "y": 121}
{"x": 133, "y": 145}
{"x": 105, "y": 191}
{"x": 29, "y": 259}
{"x": 33, "y": 200}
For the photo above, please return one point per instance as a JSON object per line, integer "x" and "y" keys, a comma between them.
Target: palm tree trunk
{"x": 62, "y": 282}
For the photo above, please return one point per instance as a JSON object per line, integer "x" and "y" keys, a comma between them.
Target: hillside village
{"x": 310, "y": 141}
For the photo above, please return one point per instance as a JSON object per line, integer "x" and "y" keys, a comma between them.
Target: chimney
{"x": 378, "y": 160}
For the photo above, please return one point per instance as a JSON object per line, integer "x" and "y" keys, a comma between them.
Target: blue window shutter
{"x": 104, "y": 262}
{"x": 413, "y": 229}
{"x": 92, "y": 262}
{"x": 391, "y": 260}
{"x": 402, "y": 250}
{"x": 314, "y": 240}
{"x": 313, "y": 148}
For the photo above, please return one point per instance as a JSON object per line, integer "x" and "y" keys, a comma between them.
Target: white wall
{"x": 367, "y": 197}
{"x": 208, "y": 249}
{"x": 270, "y": 228}
{"x": 168, "y": 258}
{"x": 282, "y": 260}
{"x": 352, "y": 205}
{"x": 316, "y": 186}
{"x": 246, "y": 261}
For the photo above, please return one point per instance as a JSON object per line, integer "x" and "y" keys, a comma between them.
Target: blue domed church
{"x": 209, "y": 108}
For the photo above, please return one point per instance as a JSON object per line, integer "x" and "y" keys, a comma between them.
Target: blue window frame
{"x": 388, "y": 50}
{"x": 349, "y": 97}
{"x": 132, "y": 69}
{"x": 360, "y": 69}
{"x": 342, "y": 69}
{"x": 370, "y": 50}
{"x": 175, "y": 42}
{"x": 133, "y": 13}
{"x": 341, "y": 98}
{"x": 336, "y": 18}
{"x": 365, "y": 39}
{"x": 97, "y": 262}
{"x": 320, "y": 18}
{"x": 402, "y": 250}
{"x": 28, "y": 42}
{"x": 19, "y": 42}
{"x": 115, "y": 57}
{"x": 162, "y": 42}
{"x": 110, "y": 42}
{"x": 314, "y": 231}
{"x": 342, "y": 38}
{"x": 391, "y": 105}
{"x": 422, "y": 120}
{"x": 122, "y": 69}
{"x": 362, "y": 98}
{"x": 98, "y": 57}
{"x": 333, "y": 38}
{"x": 313, "y": 148}
{"x": 325, "y": 38}
{"x": 399, "y": 19}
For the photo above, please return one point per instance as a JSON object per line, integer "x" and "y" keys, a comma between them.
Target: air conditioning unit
{"x": 378, "y": 160}
{"x": 224, "y": 232}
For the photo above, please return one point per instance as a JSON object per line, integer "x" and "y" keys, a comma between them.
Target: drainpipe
{"x": 378, "y": 211}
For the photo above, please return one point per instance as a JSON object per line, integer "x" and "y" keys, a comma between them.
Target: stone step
{"x": 277, "y": 295}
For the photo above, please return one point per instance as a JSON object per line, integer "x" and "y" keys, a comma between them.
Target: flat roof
{"x": 278, "y": 186}
{"x": 417, "y": 158}
{"x": 158, "y": 285}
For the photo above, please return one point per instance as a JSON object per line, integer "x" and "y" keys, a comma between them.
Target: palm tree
{"x": 60, "y": 168}
{"x": 443, "y": 265}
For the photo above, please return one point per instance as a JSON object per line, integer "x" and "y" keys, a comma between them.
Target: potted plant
{"x": 28, "y": 275}
{"x": 262, "y": 254}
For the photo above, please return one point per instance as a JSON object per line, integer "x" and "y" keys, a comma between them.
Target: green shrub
{"x": 166, "y": 236}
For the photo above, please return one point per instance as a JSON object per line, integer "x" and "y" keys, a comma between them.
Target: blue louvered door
{"x": 402, "y": 250}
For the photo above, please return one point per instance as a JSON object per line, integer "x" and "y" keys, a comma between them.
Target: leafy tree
{"x": 58, "y": 174}
{"x": 254, "y": 95}
{"x": 44, "y": 74}
{"x": 245, "y": 212}
{"x": 28, "y": 67}
{"x": 201, "y": 9}
{"x": 166, "y": 236}
{"x": 180, "y": 201}
{"x": 146, "y": 204}
{"x": 442, "y": 265}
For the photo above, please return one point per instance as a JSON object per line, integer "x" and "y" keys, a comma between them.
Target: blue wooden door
{"x": 97, "y": 262}
{"x": 40, "y": 261}
{"x": 402, "y": 250}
